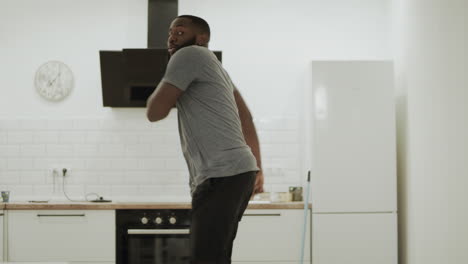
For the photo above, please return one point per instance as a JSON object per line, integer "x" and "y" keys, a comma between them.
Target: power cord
{"x": 64, "y": 172}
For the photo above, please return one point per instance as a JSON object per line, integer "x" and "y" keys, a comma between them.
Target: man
{"x": 217, "y": 134}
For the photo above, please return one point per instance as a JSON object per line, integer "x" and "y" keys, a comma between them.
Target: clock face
{"x": 54, "y": 80}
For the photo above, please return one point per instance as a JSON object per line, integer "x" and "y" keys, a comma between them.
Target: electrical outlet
{"x": 65, "y": 171}
{"x": 54, "y": 171}
{"x": 59, "y": 171}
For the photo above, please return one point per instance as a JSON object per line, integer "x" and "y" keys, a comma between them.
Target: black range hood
{"x": 129, "y": 76}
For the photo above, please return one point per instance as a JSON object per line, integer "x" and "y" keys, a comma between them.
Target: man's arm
{"x": 161, "y": 101}
{"x": 251, "y": 138}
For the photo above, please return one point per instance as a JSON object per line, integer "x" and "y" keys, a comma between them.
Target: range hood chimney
{"x": 129, "y": 76}
{"x": 160, "y": 15}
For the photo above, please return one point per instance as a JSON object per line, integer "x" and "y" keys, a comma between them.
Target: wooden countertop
{"x": 131, "y": 205}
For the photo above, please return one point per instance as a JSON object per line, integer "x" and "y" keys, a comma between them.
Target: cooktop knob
{"x": 144, "y": 220}
{"x": 172, "y": 220}
{"x": 158, "y": 220}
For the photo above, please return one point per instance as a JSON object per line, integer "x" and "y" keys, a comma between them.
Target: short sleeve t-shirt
{"x": 209, "y": 125}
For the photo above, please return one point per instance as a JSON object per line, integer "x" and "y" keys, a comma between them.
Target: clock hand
{"x": 53, "y": 81}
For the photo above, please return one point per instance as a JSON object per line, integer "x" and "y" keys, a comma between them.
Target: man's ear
{"x": 203, "y": 39}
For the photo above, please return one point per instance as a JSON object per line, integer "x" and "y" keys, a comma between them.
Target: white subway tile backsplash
{"x": 279, "y": 137}
{"x": 19, "y": 137}
{"x": 294, "y": 175}
{"x": 32, "y": 177}
{"x": 9, "y": 151}
{"x": 58, "y": 125}
{"x": 42, "y": 191}
{"x": 163, "y": 150}
{"x": 20, "y": 164}
{"x": 285, "y": 163}
{"x": 92, "y": 191}
{"x": 276, "y": 124}
{"x": 270, "y": 179}
{"x": 85, "y": 150}
{"x": 98, "y": 164}
{"x": 98, "y": 137}
{"x": 82, "y": 177}
{"x": 10, "y": 124}
{"x": 71, "y": 137}
{"x": 138, "y": 125}
{"x": 176, "y": 164}
{"x": 86, "y": 124}
{"x": 10, "y": 177}
{"x": 74, "y": 191}
{"x": 167, "y": 124}
{"x": 280, "y": 150}
{"x": 172, "y": 139}
{"x": 32, "y": 150}
{"x": 175, "y": 190}
{"x": 138, "y": 150}
{"x": 123, "y": 164}
{"x": 43, "y": 163}
{"x": 138, "y": 177}
{"x": 150, "y": 190}
{"x": 59, "y": 150}
{"x": 170, "y": 177}
{"x": 127, "y": 157}
{"x": 111, "y": 125}
{"x": 111, "y": 150}
{"x": 152, "y": 164}
{"x": 124, "y": 137}
{"x": 17, "y": 191}
{"x": 3, "y": 138}
{"x": 59, "y": 163}
{"x": 109, "y": 177}
{"x": 33, "y": 124}
{"x": 46, "y": 137}
{"x": 124, "y": 190}
{"x": 151, "y": 138}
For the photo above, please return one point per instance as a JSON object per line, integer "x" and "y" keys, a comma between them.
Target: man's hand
{"x": 258, "y": 187}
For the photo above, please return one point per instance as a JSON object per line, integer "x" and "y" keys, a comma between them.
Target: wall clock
{"x": 54, "y": 80}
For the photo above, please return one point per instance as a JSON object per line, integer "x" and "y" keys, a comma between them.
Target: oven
{"x": 153, "y": 236}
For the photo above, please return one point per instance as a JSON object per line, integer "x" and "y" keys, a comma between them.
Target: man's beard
{"x": 190, "y": 42}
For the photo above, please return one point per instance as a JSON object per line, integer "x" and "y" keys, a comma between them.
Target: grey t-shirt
{"x": 209, "y": 124}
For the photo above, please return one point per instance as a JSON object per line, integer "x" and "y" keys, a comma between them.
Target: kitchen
{"x": 114, "y": 153}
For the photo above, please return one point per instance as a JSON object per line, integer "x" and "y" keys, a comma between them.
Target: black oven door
{"x": 158, "y": 246}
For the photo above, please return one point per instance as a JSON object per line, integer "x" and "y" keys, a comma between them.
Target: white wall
{"x": 267, "y": 48}
{"x": 433, "y": 144}
{"x": 269, "y": 44}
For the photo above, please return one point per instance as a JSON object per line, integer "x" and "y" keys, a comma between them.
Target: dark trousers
{"x": 217, "y": 207}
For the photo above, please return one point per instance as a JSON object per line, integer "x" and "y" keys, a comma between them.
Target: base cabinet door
{"x": 271, "y": 236}
{"x": 61, "y": 235}
{"x": 354, "y": 238}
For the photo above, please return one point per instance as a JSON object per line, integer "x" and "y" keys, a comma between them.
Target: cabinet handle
{"x": 262, "y": 214}
{"x": 1, "y": 214}
{"x": 158, "y": 231}
{"x": 40, "y": 215}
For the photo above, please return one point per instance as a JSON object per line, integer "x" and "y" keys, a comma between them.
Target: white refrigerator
{"x": 352, "y": 157}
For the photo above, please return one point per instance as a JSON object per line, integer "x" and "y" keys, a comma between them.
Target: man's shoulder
{"x": 194, "y": 51}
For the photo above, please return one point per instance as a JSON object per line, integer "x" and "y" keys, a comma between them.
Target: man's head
{"x": 187, "y": 30}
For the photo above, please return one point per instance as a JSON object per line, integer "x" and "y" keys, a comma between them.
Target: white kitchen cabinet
{"x": 2, "y": 217}
{"x": 271, "y": 236}
{"x": 354, "y": 238}
{"x": 61, "y": 235}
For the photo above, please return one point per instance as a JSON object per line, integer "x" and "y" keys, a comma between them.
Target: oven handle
{"x": 158, "y": 231}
